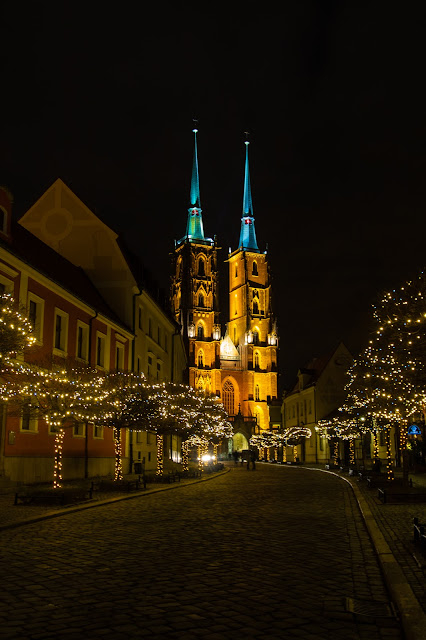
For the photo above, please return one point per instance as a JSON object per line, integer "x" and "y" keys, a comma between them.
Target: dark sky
{"x": 331, "y": 92}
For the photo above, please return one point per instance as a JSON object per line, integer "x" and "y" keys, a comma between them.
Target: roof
{"x": 313, "y": 368}
{"x": 35, "y": 253}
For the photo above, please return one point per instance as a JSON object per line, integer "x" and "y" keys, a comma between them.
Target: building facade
{"x": 318, "y": 392}
{"x": 240, "y": 367}
{"x": 71, "y": 323}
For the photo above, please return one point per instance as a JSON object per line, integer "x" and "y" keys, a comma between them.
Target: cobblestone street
{"x": 272, "y": 553}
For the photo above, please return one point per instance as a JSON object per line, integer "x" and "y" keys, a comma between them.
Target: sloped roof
{"x": 313, "y": 368}
{"x": 35, "y": 253}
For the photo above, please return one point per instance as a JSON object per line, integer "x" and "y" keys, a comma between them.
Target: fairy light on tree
{"x": 16, "y": 331}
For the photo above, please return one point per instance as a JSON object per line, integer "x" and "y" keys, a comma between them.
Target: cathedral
{"x": 241, "y": 366}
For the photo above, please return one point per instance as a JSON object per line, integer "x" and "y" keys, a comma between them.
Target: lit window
{"x": 256, "y": 359}
{"x": 257, "y": 393}
{"x": 228, "y": 397}
{"x": 200, "y": 331}
{"x": 200, "y": 359}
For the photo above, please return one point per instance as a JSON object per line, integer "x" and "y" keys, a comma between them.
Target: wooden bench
{"x": 62, "y": 497}
{"x": 118, "y": 485}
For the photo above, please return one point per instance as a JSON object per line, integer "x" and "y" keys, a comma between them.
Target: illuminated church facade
{"x": 241, "y": 366}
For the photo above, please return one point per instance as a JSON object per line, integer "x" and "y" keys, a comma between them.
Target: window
{"x": 254, "y": 269}
{"x": 140, "y": 317}
{"x": 257, "y": 393}
{"x": 35, "y": 315}
{"x": 255, "y": 337}
{"x": 149, "y": 437}
{"x": 228, "y": 397}
{"x": 200, "y": 300}
{"x": 236, "y": 272}
{"x": 256, "y": 359}
{"x": 255, "y": 307}
{"x": 149, "y": 366}
{"x": 200, "y": 331}
{"x": 201, "y": 267}
{"x": 139, "y": 436}
{"x": 119, "y": 356}
{"x": 100, "y": 350}
{"x": 158, "y": 370}
{"x": 61, "y": 330}
{"x": 98, "y": 432}
{"x": 159, "y": 335}
{"x": 381, "y": 438}
{"x": 150, "y": 327}
{"x": 200, "y": 359}
{"x": 301, "y": 408}
{"x": 28, "y": 422}
{"x": 82, "y": 347}
{"x": 79, "y": 430}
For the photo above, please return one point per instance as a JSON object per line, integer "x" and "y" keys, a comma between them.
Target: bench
{"x": 117, "y": 485}
{"x": 62, "y": 497}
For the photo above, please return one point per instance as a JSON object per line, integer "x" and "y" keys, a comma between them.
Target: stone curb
{"x": 412, "y": 616}
{"x": 100, "y": 503}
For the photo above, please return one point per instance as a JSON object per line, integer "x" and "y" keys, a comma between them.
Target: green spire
{"x": 194, "y": 227}
{"x": 247, "y": 234}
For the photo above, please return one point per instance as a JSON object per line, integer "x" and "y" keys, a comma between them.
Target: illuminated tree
{"x": 122, "y": 404}
{"x": 15, "y": 328}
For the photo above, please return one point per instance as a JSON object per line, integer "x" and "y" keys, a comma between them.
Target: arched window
{"x": 236, "y": 272}
{"x": 200, "y": 300}
{"x": 200, "y": 331}
{"x": 255, "y": 336}
{"x": 201, "y": 267}
{"x": 200, "y": 359}
{"x": 228, "y": 397}
{"x": 257, "y": 393}
{"x": 255, "y": 307}
{"x": 254, "y": 269}
{"x": 256, "y": 359}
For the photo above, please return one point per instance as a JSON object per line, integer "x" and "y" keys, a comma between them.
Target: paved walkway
{"x": 279, "y": 552}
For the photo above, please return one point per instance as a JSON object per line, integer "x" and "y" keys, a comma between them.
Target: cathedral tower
{"x": 249, "y": 349}
{"x": 194, "y": 293}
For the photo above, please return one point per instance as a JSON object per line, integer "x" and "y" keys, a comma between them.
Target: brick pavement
{"x": 261, "y": 554}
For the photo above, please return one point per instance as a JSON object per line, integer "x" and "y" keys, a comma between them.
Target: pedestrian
{"x": 253, "y": 460}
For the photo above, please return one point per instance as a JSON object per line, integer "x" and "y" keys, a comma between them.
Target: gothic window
{"x": 236, "y": 272}
{"x": 257, "y": 393}
{"x": 200, "y": 359}
{"x": 254, "y": 269}
{"x": 255, "y": 307}
{"x": 200, "y": 300}
{"x": 228, "y": 397}
{"x": 200, "y": 331}
{"x": 255, "y": 336}
{"x": 256, "y": 359}
{"x": 201, "y": 267}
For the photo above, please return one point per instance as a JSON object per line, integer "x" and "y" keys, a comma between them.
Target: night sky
{"x": 332, "y": 94}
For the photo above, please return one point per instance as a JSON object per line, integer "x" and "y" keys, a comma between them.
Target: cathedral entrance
{"x": 239, "y": 442}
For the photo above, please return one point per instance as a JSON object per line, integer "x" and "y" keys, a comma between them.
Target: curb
{"x": 100, "y": 503}
{"x": 413, "y": 618}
